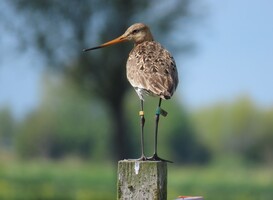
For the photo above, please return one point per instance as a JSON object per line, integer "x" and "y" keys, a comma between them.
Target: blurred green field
{"x": 73, "y": 179}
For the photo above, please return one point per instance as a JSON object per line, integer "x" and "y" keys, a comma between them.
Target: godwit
{"x": 151, "y": 70}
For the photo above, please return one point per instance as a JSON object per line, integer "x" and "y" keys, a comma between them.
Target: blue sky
{"x": 234, "y": 57}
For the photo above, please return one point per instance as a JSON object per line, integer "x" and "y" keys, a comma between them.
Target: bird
{"x": 151, "y": 70}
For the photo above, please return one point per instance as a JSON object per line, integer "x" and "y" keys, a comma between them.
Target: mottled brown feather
{"x": 152, "y": 70}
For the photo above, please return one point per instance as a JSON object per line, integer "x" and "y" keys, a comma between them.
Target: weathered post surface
{"x": 142, "y": 180}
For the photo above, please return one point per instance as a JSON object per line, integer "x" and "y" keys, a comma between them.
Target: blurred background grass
{"x": 67, "y": 144}
{"x": 75, "y": 179}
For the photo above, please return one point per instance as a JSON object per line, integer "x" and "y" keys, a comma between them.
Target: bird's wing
{"x": 152, "y": 68}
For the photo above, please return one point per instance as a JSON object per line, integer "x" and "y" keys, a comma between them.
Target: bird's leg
{"x": 159, "y": 111}
{"x": 142, "y": 122}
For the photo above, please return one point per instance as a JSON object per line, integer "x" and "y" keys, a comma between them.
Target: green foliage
{"x": 182, "y": 138}
{"x": 65, "y": 123}
{"x": 262, "y": 149}
{"x": 238, "y": 129}
{"x": 7, "y": 127}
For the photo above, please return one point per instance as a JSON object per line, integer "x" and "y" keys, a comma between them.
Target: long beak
{"x": 114, "y": 41}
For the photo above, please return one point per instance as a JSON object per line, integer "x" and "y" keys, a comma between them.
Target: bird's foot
{"x": 142, "y": 158}
{"x": 156, "y": 158}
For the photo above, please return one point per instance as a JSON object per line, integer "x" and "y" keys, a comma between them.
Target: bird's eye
{"x": 135, "y": 31}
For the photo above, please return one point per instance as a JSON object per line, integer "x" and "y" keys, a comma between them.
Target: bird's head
{"x": 137, "y": 33}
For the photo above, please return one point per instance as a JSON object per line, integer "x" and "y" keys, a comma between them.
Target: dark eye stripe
{"x": 135, "y": 31}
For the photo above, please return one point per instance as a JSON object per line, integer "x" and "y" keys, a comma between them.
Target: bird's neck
{"x": 148, "y": 37}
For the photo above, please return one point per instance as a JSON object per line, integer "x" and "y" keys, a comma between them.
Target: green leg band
{"x": 160, "y": 111}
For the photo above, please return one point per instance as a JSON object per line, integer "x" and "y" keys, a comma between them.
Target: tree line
{"x": 67, "y": 123}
